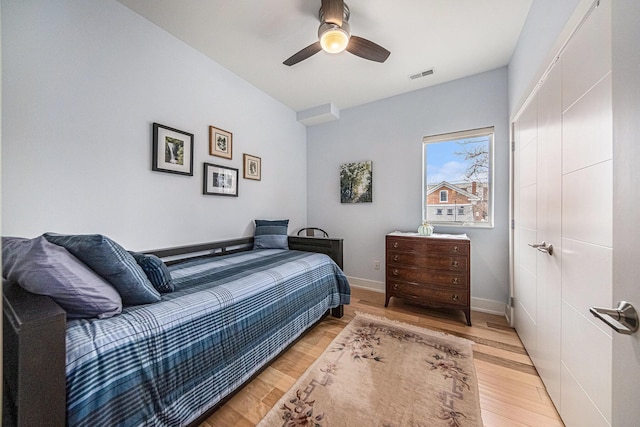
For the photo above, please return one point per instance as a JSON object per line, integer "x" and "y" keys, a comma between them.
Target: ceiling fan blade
{"x": 367, "y": 49}
{"x": 333, "y": 11}
{"x": 305, "y": 53}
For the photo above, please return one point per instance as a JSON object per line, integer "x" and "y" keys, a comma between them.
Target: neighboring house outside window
{"x": 459, "y": 206}
{"x": 444, "y": 196}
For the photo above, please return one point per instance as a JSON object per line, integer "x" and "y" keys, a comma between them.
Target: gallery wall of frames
{"x": 173, "y": 149}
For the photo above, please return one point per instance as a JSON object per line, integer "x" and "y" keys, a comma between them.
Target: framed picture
{"x": 356, "y": 182}
{"x": 220, "y": 143}
{"x": 172, "y": 150}
{"x": 220, "y": 180}
{"x": 252, "y": 167}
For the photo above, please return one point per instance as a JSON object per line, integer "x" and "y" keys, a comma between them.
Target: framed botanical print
{"x": 356, "y": 181}
{"x": 220, "y": 180}
{"x": 172, "y": 150}
{"x": 220, "y": 143}
{"x": 252, "y": 167}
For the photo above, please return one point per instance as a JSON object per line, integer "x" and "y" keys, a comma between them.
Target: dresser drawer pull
{"x": 395, "y": 257}
{"x": 395, "y": 244}
{"x": 455, "y": 297}
{"x": 395, "y": 272}
{"x": 395, "y": 286}
{"x": 455, "y": 249}
{"x": 455, "y": 281}
{"x": 454, "y": 263}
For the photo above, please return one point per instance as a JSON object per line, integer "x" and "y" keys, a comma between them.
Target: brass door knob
{"x": 454, "y": 263}
{"x": 455, "y": 281}
{"x": 455, "y": 297}
{"x": 395, "y": 244}
{"x": 395, "y": 272}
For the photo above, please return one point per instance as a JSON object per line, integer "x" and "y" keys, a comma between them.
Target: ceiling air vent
{"x": 422, "y": 74}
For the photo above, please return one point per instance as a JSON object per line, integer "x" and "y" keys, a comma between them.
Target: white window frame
{"x": 454, "y": 136}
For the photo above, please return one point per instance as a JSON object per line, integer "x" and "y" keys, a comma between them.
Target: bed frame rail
{"x": 329, "y": 246}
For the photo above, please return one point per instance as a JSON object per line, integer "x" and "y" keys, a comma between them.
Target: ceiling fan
{"x": 334, "y": 36}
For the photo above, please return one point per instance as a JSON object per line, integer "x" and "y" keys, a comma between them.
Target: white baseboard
{"x": 477, "y": 304}
{"x": 488, "y": 306}
{"x": 371, "y": 285}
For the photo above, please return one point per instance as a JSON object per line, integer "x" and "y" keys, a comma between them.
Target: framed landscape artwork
{"x": 220, "y": 180}
{"x": 356, "y": 181}
{"x": 172, "y": 150}
{"x": 220, "y": 143}
{"x": 252, "y": 167}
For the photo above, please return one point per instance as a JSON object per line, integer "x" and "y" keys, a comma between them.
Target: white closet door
{"x": 538, "y": 193}
{"x": 563, "y": 197}
{"x": 549, "y": 230}
{"x": 525, "y": 213}
{"x": 587, "y": 244}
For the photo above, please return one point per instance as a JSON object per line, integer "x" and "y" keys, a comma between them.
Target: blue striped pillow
{"x": 112, "y": 262}
{"x": 156, "y": 271}
{"x": 271, "y": 234}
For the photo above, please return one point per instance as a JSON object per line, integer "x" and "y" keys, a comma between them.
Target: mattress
{"x": 165, "y": 364}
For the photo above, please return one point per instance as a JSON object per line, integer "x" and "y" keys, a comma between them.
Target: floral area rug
{"x": 379, "y": 372}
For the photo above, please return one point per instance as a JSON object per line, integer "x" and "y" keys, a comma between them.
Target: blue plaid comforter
{"x": 164, "y": 364}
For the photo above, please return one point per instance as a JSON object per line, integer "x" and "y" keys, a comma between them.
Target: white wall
{"x": 389, "y": 132}
{"x": 83, "y": 81}
{"x": 548, "y": 22}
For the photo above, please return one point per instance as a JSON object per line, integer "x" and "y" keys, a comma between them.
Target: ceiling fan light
{"x": 334, "y": 40}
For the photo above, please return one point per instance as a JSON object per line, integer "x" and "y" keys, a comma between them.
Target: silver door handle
{"x": 623, "y": 319}
{"x": 542, "y": 247}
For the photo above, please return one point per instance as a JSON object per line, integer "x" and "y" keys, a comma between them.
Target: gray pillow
{"x": 43, "y": 268}
{"x": 156, "y": 271}
{"x": 112, "y": 262}
{"x": 271, "y": 234}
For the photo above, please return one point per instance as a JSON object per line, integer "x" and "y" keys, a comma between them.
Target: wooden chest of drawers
{"x": 433, "y": 271}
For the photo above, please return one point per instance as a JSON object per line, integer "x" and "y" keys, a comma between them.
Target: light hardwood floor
{"x": 511, "y": 392}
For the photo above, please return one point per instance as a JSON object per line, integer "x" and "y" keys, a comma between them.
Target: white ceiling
{"x": 457, "y": 38}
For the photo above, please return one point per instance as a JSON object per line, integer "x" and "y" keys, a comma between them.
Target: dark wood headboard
{"x": 34, "y": 352}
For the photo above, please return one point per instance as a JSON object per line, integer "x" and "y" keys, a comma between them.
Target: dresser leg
{"x": 386, "y": 300}
{"x": 467, "y": 314}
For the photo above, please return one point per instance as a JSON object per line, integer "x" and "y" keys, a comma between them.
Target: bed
{"x": 173, "y": 362}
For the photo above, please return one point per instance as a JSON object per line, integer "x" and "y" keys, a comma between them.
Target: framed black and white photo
{"x": 220, "y": 143}
{"x": 252, "y": 167}
{"x": 172, "y": 150}
{"x": 220, "y": 180}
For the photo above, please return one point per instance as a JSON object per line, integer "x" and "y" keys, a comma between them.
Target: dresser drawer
{"x": 431, "y": 260}
{"x": 426, "y": 295}
{"x": 427, "y": 277}
{"x": 422, "y": 245}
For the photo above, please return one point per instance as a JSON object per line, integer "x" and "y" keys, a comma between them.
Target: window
{"x": 458, "y": 173}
